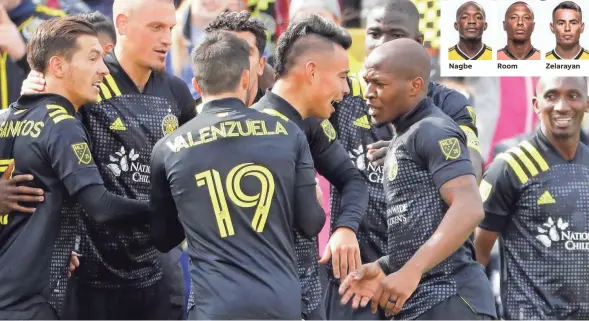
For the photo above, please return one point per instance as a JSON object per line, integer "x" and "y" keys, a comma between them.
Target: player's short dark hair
{"x": 102, "y": 24}
{"x": 291, "y": 43}
{"x": 470, "y": 3}
{"x": 238, "y": 22}
{"x": 568, "y": 5}
{"x": 57, "y": 37}
{"x": 219, "y": 61}
{"x": 405, "y": 7}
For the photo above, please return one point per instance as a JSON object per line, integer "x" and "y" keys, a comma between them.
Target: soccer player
{"x": 519, "y": 26}
{"x": 43, "y": 137}
{"x": 533, "y": 201}
{"x": 18, "y": 21}
{"x": 330, "y": 158}
{"x": 367, "y": 145}
{"x": 471, "y": 23}
{"x": 121, "y": 274}
{"x": 433, "y": 204}
{"x": 311, "y": 65}
{"x": 238, "y": 210}
{"x": 567, "y": 26}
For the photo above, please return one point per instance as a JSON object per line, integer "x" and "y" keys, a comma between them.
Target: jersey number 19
{"x": 262, "y": 201}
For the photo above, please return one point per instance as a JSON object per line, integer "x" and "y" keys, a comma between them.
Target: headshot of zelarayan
{"x": 567, "y": 26}
{"x": 471, "y": 23}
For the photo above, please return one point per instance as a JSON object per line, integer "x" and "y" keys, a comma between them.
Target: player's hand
{"x": 34, "y": 84}
{"x": 395, "y": 290}
{"x": 74, "y": 263}
{"x": 11, "y": 41}
{"x": 361, "y": 285}
{"x": 319, "y": 192}
{"x": 11, "y": 194}
{"x": 344, "y": 251}
{"x": 377, "y": 152}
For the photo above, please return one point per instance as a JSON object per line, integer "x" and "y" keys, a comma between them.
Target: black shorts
{"x": 453, "y": 308}
{"x": 336, "y": 311}
{"x": 41, "y": 311}
{"x": 151, "y": 303}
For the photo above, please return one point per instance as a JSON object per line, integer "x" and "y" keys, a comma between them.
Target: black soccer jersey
{"x": 238, "y": 207}
{"x": 124, "y": 126}
{"x": 428, "y": 150}
{"x": 44, "y": 139}
{"x": 538, "y": 203}
{"x": 354, "y": 130}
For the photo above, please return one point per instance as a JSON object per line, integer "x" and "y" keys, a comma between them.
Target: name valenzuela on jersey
{"x": 227, "y": 129}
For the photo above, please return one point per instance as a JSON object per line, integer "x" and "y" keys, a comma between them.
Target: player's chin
{"x": 158, "y": 66}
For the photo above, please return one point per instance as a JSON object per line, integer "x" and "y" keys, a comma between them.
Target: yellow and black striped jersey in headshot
{"x": 582, "y": 55}
{"x": 486, "y": 53}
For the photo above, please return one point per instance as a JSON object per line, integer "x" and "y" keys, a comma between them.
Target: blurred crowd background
{"x": 502, "y": 104}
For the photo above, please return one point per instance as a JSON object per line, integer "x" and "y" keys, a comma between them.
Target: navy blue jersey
{"x": 238, "y": 208}
{"x": 44, "y": 139}
{"x": 428, "y": 150}
{"x": 537, "y": 201}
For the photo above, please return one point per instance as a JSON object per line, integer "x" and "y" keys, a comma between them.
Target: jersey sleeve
{"x": 460, "y": 109}
{"x": 499, "y": 191}
{"x": 442, "y": 150}
{"x": 68, "y": 151}
{"x": 166, "y": 229}
{"x": 186, "y": 102}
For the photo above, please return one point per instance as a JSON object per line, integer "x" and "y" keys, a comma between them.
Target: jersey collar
{"x": 546, "y": 146}
{"x": 28, "y": 101}
{"x": 223, "y": 104}
{"x": 122, "y": 78}
{"x": 419, "y": 112}
{"x": 284, "y": 107}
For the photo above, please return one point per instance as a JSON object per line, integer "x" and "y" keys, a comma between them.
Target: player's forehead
{"x": 567, "y": 15}
{"x": 562, "y": 84}
{"x": 152, "y": 12}
{"x": 519, "y": 9}
{"x": 87, "y": 44}
{"x": 470, "y": 9}
{"x": 387, "y": 21}
{"x": 249, "y": 37}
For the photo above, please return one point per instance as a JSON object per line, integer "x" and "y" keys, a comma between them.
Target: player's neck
{"x": 567, "y": 147}
{"x": 470, "y": 47}
{"x": 208, "y": 98}
{"x": 291, "y": 92}
{"x": 519, "y": 49}
{"x": 55, "y": 86}
{"x": 568, "y": 53}
{"x": 138, "y": 74}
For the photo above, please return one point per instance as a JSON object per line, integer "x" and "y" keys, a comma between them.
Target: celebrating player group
{"x": 109, "y": 167}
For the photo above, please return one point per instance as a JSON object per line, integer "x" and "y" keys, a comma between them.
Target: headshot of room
{"x": 471, "y": 25}
{"x": 567, "y": 28}
{"x": 518, "y": 24}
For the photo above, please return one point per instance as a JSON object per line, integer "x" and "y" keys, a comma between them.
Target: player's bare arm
{"x": 12, "y": 192}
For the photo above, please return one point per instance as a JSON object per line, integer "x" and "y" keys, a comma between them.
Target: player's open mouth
{"x": 372, "y": 110}
{"x": 563, "y": 122}
{"x": 162, "y": 52}
{"x": 97, "y": 85}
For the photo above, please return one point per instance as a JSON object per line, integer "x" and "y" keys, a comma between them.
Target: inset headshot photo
{"x": 567, "y": 27}
{"x": 518, "y": 24}
{"x": 471, "y": 24}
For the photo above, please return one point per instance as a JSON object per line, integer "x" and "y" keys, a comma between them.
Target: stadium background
{"x": 503, "y": 105}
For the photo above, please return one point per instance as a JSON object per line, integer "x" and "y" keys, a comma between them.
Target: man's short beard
{"x": 158, "y": 68}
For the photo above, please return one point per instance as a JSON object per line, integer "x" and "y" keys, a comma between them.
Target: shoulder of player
{"x": 453, "y": 48}
{"x": 488, "y": 48}
{"x": 523, "y": 161}
{"x": 549, "y": 53}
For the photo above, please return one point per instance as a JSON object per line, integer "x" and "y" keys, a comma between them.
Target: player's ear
{"x": 419, "y": 38}
{"x": 310, "y": 70}
{"x": 505, "y": 26}
{"x": 196, "y": 87}
{"x": 417, "y": 86}
{"x": 532, "y": 27}
{"x": 552, "y": 28}
{"x": 121, "y": 24}
{"x": 485, "y": 27}
{"x": 262, "y": 64}
{"x": 535, "y": 104}
{"x": 245, "y": 79}
{"x": 57, "y": 66}
{"x": 587, "y": 106}
{"x": 456, "y": 26}
{"x": 108, "y": 48}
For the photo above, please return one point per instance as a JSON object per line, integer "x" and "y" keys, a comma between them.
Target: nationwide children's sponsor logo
{"x": 123, "y": 163}
{"x": 552, "y": 233}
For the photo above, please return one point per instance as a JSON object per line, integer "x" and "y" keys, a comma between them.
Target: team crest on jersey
{"x": 82, "y": 153}
{"x": 472, "y": 114}
{"x": 328, "y": 130}
{"x": 450, "y": 147}
{"x": 393, "y": 166}
{"x": 28, "y": 30}
{"x": 169, "y": 124}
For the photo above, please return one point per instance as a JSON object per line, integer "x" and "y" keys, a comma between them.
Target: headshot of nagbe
{"x": 471, "y": 23}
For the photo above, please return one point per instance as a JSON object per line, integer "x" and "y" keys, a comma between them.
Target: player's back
{"x": 232, "y": 172}
{"x": 26, "y": 240}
